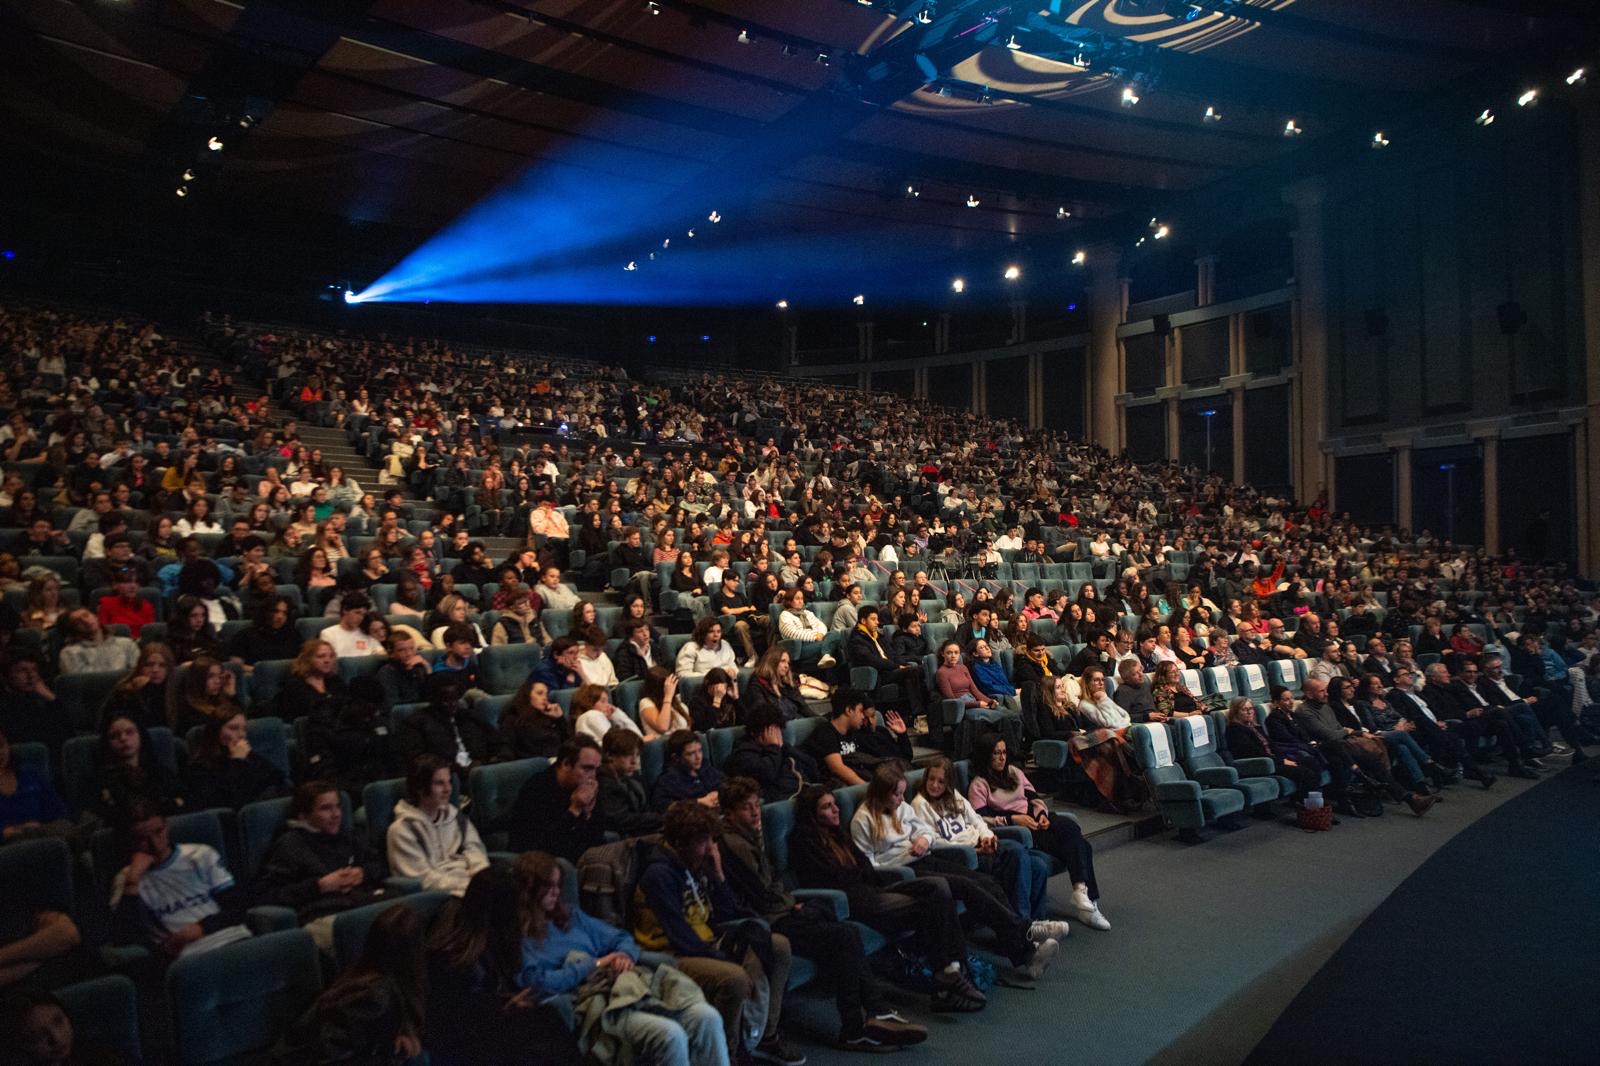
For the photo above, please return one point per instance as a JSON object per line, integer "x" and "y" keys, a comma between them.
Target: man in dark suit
{"x": 1474, "y": 721}
{"x": 640, "y": 651}
{"x": 1436, "y": 734}
{"x": 1495, "y": 688}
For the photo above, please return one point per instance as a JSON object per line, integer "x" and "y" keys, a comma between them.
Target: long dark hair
{"x": 836, "y": 841}
{"x": 983, "y": 761}
{"x": 533, "y": 872}
{"x": 394, "y": 952}
{"x": 485, "y": 926}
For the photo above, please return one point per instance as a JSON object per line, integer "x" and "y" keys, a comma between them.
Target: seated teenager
{"x": 430, "y": 838}
{"x": 682, "y": 904}
{"x": 661, "y": 709}
{"x": 865, "y": 1022}
{"x": 375, "y": 1009}
{"x": 765, "y": 757}
{"x": 172, "y": 899}
{"x": 40, "y": 1032}
{"x": 1003, "y": 793}
{"x": 774, "y": 684}
{"x": 209, "y": 690}
{"x": 623, "y": 800}
{"x": 126, "y": 769}
{"x": 225, "y": 772}
{"x": 556, "y": 811}
{"x": 890, "y": 834}
{"x": 594, "y": 715}
{"x": 562, "y": 949}
{"x": 449, "y": 728}
{"x": 706, "y": 651}
{"x": 319, "y": 866}
{"x": 687, "y": 775}
{"x": 533, "y": 725}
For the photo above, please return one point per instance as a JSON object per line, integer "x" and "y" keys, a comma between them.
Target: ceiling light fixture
{"x": 1013, "y": 45}
{"x": 188, "y": 175}
{"x": 215, "y": 144}
{"x": 181, "y": 191}
{"x": 1080, "y": 257}
{"x": 1485, "y": 118}
{"x": 958, "y": 285}
{"x": 667, "y": 243}
{"x": 1577, "y": 77}
{"x": 1528, "y": 97}
{"x": 1062, "y": 212}
{"x": 691, "y": 233}
{"x": 859, "y": 300}
{"x": 1291, "y": 130}
{"x": 714, "y": 217}
{"x": 1013, "y": 272}
{"x": 912, "y": 192}
{"x": 1212, "y": 115}
{"x": 1161, "y": 232}
{"x": 973, "y": 201}
{"x": 246, "y": 122}
{"x": 822, "y": 59}
{"x": 925, "y": 16}
{"x": 349, "y": 296}
{"x": 632, "y": 265}
{"x": 744, "y": 37}
{"x": 1129, "y": 96}
{"x": 782, "y": 305}
{"x": 653, "y": 7}
{"x": 1081, "y": 60}
{"x": 1379, "y": 140}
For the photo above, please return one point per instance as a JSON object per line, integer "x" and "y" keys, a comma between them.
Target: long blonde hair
{"x": 880, "y": 795}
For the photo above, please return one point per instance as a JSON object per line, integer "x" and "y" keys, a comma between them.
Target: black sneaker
{"x": 896, "y": 1031}
{"x": 773, "y": 1050}
{"x": 956, "y": 993}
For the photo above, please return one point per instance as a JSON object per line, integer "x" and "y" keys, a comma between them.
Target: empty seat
{"x": 494, "y": 792}
{"x": 1251, "y": 681}
{"x": 105, "y": 1012}
{"x": 84, "y": 694}
{"x": 350, "y": 927}
{"x": 1200, "y": 746}
{"x": 503, "y": 667}
{"x": 1187, "y": 804}
{"x": 236, "y": 1000}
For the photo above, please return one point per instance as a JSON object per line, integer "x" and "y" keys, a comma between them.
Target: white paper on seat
{"x": 1252, "y": 674}
{"x": 1158, "y": 743}
{"x": 1199, "y": 730}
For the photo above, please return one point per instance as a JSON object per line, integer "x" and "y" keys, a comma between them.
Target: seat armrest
{"x": 402, "y": 886}
{"x": 1216, "y": 776}
{"x": 951, "y": 712}
{"x": 267, "y": 919}
{"x": 1178, "y": 790}
{"x": 834, "y": 899}
{"x": 1258, "y": 766}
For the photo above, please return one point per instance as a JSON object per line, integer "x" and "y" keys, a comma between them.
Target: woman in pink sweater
{"x": 955, "y": 680}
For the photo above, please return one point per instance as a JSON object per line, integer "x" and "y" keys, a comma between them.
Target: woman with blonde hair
{"x": 1102, "y": 747}
{"x": 44, "y": 607}
{"x": 146, "y": 694}
{"x": 209, "y": 691}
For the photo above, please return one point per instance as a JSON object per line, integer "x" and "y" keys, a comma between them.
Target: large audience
{"x": 763, "y": 674}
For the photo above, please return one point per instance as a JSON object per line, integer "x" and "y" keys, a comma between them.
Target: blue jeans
{"x": 1025, "y": 874}
{"x": 1405, "y": 752}
{"x": 1526, "y": 727}
{"x": 693, "y": 1038}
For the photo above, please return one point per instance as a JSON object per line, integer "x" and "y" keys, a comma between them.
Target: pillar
{"x": 941, "y": 334}
{"x": 1311, "y": 340}
{"x": 1173, "y": 360}
{"x": 919, "y": 383}
{"x": 980, "y": 387}
{"x": 1235, "y": 382}
{"x": 864, "y": 341}
{"x": 1108, "y": 305}
{"x": 1402, "y": 481}
{"x": 791, "y": 346}
{"x": 1036, "y": 390}
{"x": 1205, "y": 281}
{"x": 1490, "y": 441}
{"x": 1588, "y": 436}
{"x": 1019, "y": 321}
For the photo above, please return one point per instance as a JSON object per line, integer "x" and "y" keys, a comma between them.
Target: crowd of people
{"x": 929, "y": 593}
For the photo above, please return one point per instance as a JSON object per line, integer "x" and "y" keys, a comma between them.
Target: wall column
{"x": 1489, "y": 438}
{"x": 864, "y": 341}
{"x": 1310, "y": 403}
{"x": 1205, "y": 281}
{"x": 941, "y": 333}
{"x": 919, "y": 383}
{"x": 980, "y": 388}
{"x": 1108, "y": 306}
{"x": 1235, "y": 382}
{"x": 1173, "y": 343}
{"x": 1036, "y": 390}
{"x": 1402, "y": 480}
{"x": 1588, "y": 438}
{"x": 1019, "y": 321}
{"x": 791, "y": 346}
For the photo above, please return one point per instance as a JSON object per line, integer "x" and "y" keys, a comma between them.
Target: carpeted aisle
{"x": 1489, "y": 953}
{"x": 1210, "y": 944}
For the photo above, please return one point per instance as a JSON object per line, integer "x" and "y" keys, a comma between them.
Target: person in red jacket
{"x": 125, "y": 606}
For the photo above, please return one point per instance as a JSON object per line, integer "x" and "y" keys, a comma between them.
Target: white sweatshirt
{"x": 695, "y": 661}
{"x": 893, "y": 847}
{"x": 445, "y": 850}
{"x": 961, "y": 826}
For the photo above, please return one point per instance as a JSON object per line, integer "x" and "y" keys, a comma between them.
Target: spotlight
{"x": 1485, "y": 118}
{"x": 986, "y": 97}
{"x": 859, "y": 300}
{"x": 349, "y": 297}
{"x": 822, "y": 59}
{"x": 246, "y": 121}
{"x": 1527, "y": 97}
{"x": 667, "y": 243}
{"x": 651, "y": 339}
{"x": 652, "y": 257}
{"x": 215, "y": 144}
{"x": 181, "y": 191}
{"x": 1212, "y": 115}
{"x": 705, "y": 338}
{"x": 188, "y": 175}
{"x": 654, "y": 9}
{"x": 790, "y": 51}
{"x": 1013, "y": 45}
{"x": 714, "y": 217}
{"x": 1080, "y": 257}
{"x": 8, "y": 254}
{"x": 1062, "y": 212}
{"x": 1139, "y": 243}
{"x": 1577, "y": 77}
{"x": 1161, "y": 231}
{"x": 783, "y": 305}
{"x": 912, "y": 192}
{"x": 1013, "y": 272}
{"x": 958, "y": 285}
{"x": 1379, "y": 140}
{"x": 1072, "y": 307}
{"x": 744, "y": 37}
{"x": 944, "y": 90}
{"x": 973, "y": 201}
{"x": 1129, "y": 96}
{"x": 864, "y": 3}
{"x": 1081, "y": 60}
{"x": 633, "y": 264}
{"x": 1291, "y": 130}
{"x": 925, "y": 16}
{"x": 691, "y": 233}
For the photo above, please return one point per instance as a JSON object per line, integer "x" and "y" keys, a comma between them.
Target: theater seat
{"x": 105, "y": 1011}
{"x": 494, "y": 792}
{"x": 1187, "y": 804}
{"x": 350, "y": 927}
{"x": 1200, "y": 747}
{"x": 236, "y": 1000}
{"x": 506, "y": 666}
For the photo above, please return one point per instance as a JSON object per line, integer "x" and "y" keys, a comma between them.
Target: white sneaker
{"x": 1080, "y": 898}
{"x": 827, "y": 661}
{"x": 1093, "y": 918}
{"x": 1040, "y": 960}
{"x": 1048, "y": 929}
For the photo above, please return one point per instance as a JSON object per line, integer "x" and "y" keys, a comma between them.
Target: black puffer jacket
{"x": 302, "y": 855}
{"x": 780, "y": 771}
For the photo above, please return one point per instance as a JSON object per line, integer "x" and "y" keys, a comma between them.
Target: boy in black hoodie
{"x": 318, "y": 866}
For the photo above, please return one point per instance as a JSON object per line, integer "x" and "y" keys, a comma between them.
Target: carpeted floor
{"x": 1490, "y": 953}
{"x": 1209, "y": 944}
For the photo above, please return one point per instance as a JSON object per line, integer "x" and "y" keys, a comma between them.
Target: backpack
{"x": 971, "y": 727}
{"x": 608, "y": 875}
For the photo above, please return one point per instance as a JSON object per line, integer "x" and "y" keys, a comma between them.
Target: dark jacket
{"x": 433, "y": 731}
{"x": 676, "y": 783}
{"x": 787, "y": 700}
{"x": 861, "y": 651}
{"x": 112, "y": 788}
{"x": 402, "y": 685}
{"x": 534, "y": 736}
{"x": 348, "y": 744}
{"x": 302, "y": 855}
{"x": 755, "y": 884}
{"x": 660, "y": 901}
{"x": 623, "y": 805}
{"x": 256, "y": 644}
{"x": 629, "y": 663}
{"x": 232, "y": 783}
{"x": 905, "y": 648}
{"x": 542, "y": 820}
{"x": 780, "y": 771}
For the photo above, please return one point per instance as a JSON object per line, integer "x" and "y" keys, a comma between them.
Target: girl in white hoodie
{"x": 430, "y": 838}
{"x": 1023, "y": 872}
